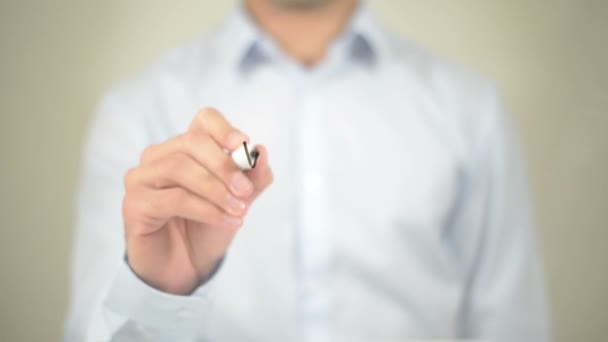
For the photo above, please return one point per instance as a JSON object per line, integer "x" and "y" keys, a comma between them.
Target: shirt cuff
{"x": 157, "y": 311}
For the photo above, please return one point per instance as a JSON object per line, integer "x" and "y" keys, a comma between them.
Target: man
{"x": 398, "y": 208}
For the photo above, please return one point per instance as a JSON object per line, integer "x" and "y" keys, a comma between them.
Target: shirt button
{"x": 184, "y": 313}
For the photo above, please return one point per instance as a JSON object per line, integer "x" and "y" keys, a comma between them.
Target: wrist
{"x": 162, "y": 277}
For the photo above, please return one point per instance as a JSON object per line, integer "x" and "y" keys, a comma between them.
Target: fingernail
{"x": 240, "y": 184}
{"x": 235, "y": 139}
{"x": 232, "y": 221}
{"x": 235, "y": 205}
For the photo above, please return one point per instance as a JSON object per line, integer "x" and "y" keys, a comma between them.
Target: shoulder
{"x": 463, "y": 98}
{"x": 441, "y": 77}
{"x": 174, "y": 72}
{"x": 148, "y": 102}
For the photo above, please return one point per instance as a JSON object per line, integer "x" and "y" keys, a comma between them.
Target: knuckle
{"x": 147, "y": 154}
{"x": 209, "y": 153}
{"x": 187, "y": 141}
{"x": 130, "y": 177}
{"x": 127, "y": 205}
{"x": 207, "y": 115}
{"x": 160, "y": 167}
{"x": 133, "y": 206}
{"x": 160, "y": 174}
{"x": 148, "y": 206}
{"x": 190, "y": 142}
{"x": 175, "y": 162}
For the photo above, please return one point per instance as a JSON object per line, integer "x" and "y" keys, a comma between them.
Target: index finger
{"x": 210, "y": 121}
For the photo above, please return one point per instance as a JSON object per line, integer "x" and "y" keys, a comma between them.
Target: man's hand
{"x": 186, "y": 200}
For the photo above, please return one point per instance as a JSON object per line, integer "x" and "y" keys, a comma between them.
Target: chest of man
{"x": 351, "y": 235}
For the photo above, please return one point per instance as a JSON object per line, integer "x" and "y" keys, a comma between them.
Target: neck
{"x": 303, "y": 32}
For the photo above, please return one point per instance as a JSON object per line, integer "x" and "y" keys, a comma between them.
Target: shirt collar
{"x": 246, "y": 46}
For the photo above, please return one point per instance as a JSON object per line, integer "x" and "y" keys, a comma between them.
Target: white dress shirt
{"x": 399, "y": 208}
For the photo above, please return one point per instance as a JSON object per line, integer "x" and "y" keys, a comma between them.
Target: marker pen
{"x": 244, "y": 158}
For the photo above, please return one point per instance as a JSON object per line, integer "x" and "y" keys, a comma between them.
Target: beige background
{"x": 57, "y": 57}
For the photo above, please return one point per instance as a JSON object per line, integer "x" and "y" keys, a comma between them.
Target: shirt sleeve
{"x": 108, "y": 302}
{"x": 504, "y": 293}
